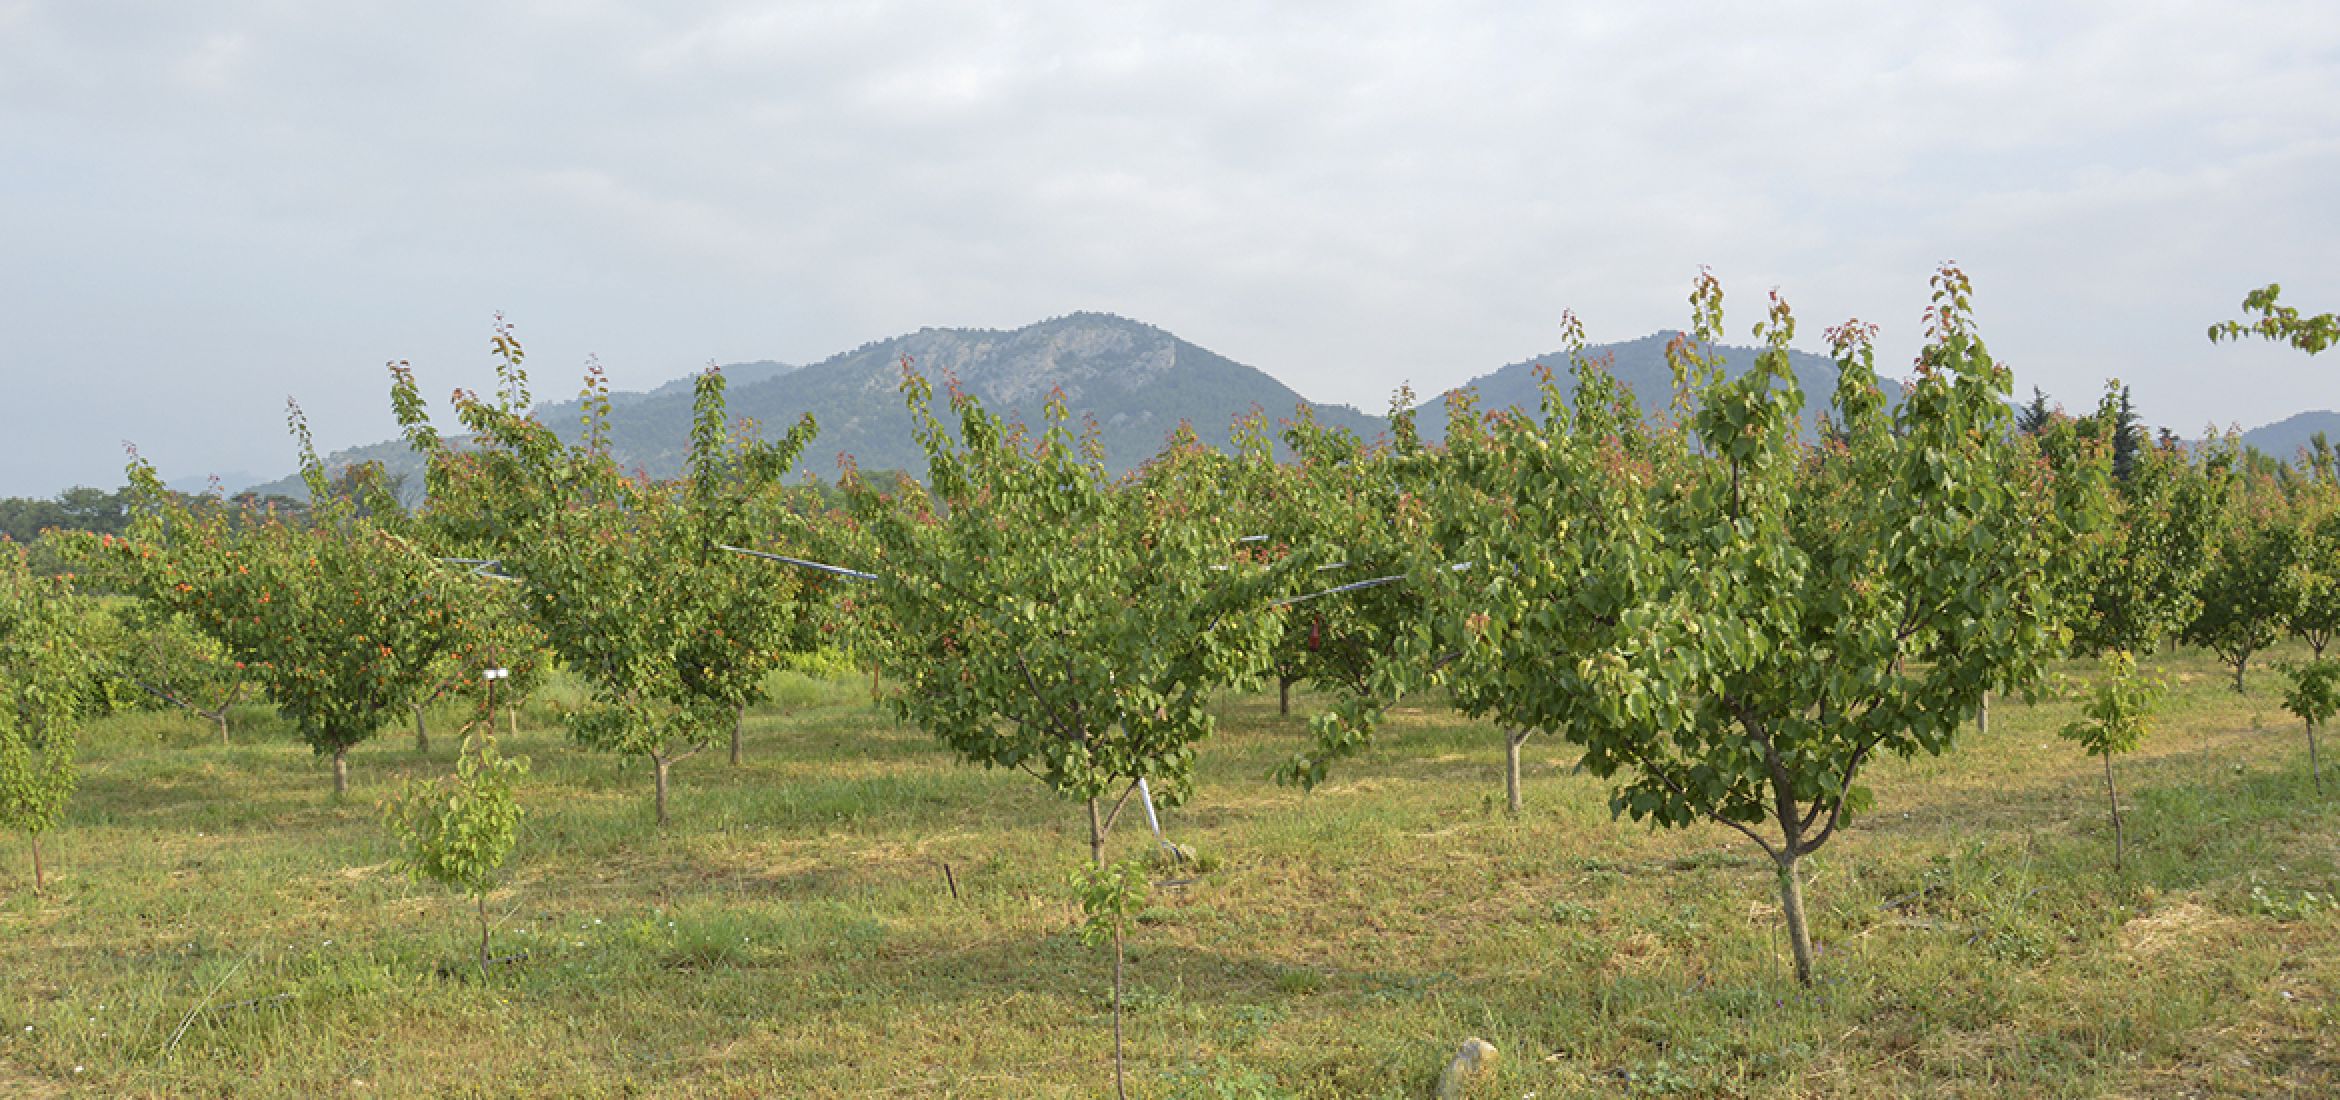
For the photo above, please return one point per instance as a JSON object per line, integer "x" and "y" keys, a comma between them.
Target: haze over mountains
{"x": 1641, "y": 366}
{"x": 1137, "y": 382}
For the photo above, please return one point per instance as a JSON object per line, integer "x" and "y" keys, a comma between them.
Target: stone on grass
{"x": 1475, "y": 1060}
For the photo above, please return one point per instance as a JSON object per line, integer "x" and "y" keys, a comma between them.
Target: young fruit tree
{"x": 176, "y": 665}
{"x": 2145, "y": 569}
{"x": 1505, "y": 532}
{"x": 45, "y": 660}
{"x": 1733, "y": 623}
{"x": 499, "y": 639}
{"x": 2313, "y": 695}
{"x": 1111, "y": 897}
{"x": 2251, "y": 586}
{"x": 626, "y": 578}
{"x": 756, "y": 619}
{"x": 2315, "y": 614}
{"x": 342, "y": 619}
{"x": 458, "y": 831}
{"x": 1052, "y": 621}
{"x": 507, "y": 664}
{"x": 1349, "y": 620}
{"x": 2114, "y": 721}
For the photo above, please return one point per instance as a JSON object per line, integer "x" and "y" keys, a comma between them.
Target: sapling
{"x": 2114, "y": 722}
{"x": 459, "y": 831}
{"x": 2314, "y": 695}
{"x": 1111, "y": 896}
{"x": 44, "y": 663}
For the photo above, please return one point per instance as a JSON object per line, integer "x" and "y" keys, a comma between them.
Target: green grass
{"x": 218, "y": 925}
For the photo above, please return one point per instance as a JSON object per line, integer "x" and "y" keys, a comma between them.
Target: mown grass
{"x": 218, "y": 924}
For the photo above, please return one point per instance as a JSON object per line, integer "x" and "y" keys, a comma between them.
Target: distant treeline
{"x": 77, "y": 509}
{"x": 82, "y": 508}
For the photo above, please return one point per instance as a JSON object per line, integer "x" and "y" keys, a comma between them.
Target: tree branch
{"x": 1056, "y": 716}
{"x": 1844, "y": 791}
{"x": 1783, "y": 787}
{"x": 1118, "y": 803}
{"x": 1683, "y": 793}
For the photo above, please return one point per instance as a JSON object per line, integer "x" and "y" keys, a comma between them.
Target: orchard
{"x": 1634, "y": 736}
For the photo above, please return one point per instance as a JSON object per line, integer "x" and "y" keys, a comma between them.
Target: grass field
{"x": 218, "y": 925}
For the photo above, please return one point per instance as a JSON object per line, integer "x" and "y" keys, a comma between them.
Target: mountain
{"x": 735, "y": 374}
{"x": 1136, "y": 381}
{"x": 229, "y": 483}
{"x": 2284, "y": 438}
{"x": 1641, "y": 366}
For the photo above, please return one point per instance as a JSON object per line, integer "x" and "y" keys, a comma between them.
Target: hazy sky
{"x": 207, "y": 207}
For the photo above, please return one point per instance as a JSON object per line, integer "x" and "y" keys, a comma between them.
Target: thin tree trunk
{"x": 874, "y": 698}
{"x": 483, "y": 937}
{"x": 2113, "y": 796}
{"x": 658, "y": 764}
{"x": 1283, "y": 695}
{"x": 340, "y": 772}
{"x": 40, "y": 882}
{"x": 2240, "y": 663}
{"x": 1119, "y": 1089}
{"x": 1512, "y": 740}
{"x": 422, "y": 731}
{"x": 512, "y": 713}
{"x": 2313, "y": 772}
{"x": 1791, "y": 906}
{"x": 1982, "y": 715}
{"x": 1096, "y": 835}
{"x": 220, "y": 716}
{"x": 738, "y": 719}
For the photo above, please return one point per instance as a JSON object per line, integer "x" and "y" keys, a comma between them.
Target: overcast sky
{"x": 205, "y": 208}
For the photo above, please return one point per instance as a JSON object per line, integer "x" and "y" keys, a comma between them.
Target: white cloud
{"x": 214, "y": 63}
{"x": 208, "y": 206}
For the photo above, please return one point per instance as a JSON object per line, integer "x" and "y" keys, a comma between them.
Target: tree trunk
{"x": 2240, "y": 663}
{"x": 738, "y": 719}
{"x": 874, "y": 698}
{"x": 220, "y": 716}
{"x": 1283, "y": 695}
{"x": 422, "y": 731}
{"x": 39, "y": 881}
{"x": 1096, "y": 835}
{"x": 512, "y": 713}
{"x": 1982, "y": 715}
{"x": 659, "y": 764}
{"x": 340, "y": 772}
{"x": 2113, "y": 796}
{"x": 2313, "y": 772}
{"x": 483, "y": 937}
{"x": 1791, "y": 906}
{"x": 1512, "y": 740}
{"x": 1119, "y": 1089}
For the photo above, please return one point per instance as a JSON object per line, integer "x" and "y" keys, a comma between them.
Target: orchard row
{"x": 1730, "y": 615}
